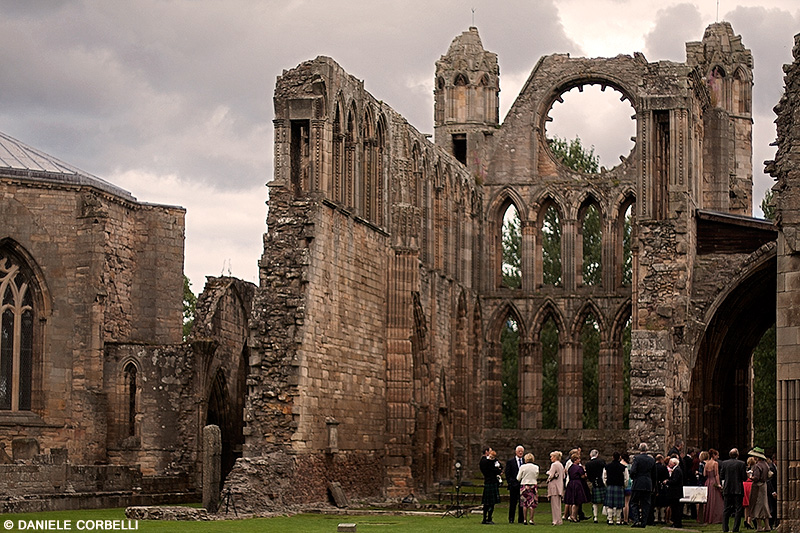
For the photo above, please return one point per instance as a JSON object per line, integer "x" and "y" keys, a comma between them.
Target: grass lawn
{"x": 318, "y": 523}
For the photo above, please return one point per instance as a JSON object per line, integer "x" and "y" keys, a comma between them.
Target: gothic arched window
{"x": 17, "y": 287}
{"x": 130, "y": 399}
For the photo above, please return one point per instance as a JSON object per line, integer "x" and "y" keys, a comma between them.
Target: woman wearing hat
{"x": 759, "y": 507}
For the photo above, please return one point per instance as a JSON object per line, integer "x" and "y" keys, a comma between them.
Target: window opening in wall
{"x": 16, "y": 337}
{"x": 716, "y": 86}
{"x": 661, "y": 164}
{"x": 592, "y": 246}
{"x": 509, "y": 340}
{"x": 626, "y": 375}
{"x": 549, "y": 341}
{"x": 338, "y": 157}
{"x": 551, "y": 247}
{"x": 590, "y": 345}
{"x": 7, "y": 359}
{"x": 460, "y": 147}
{"x": 627, "y": 243}
{"x": 130, "y": 397}
{"x": 299, "y": 155}
{"x": 587, "y": 113}
{"x": 512, "y": 249}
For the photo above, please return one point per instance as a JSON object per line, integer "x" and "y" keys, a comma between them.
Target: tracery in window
{"x": 16, "y": 335}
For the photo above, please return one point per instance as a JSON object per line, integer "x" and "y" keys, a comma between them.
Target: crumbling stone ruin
{"x": 101, "y": 401}
{"x": 786, "y": 170}
{"x": 370, "y": 356}
{"x": 377, "y": 327}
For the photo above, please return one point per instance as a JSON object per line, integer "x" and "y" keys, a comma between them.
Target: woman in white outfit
{"x": 555, "y": 486}
{"x": 528, "y": 478}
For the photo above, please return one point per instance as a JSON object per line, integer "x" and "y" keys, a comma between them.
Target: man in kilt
{"x": 594, "y": 473}
{"x": 615, "y": 476}
{"x": 491, "y": 470}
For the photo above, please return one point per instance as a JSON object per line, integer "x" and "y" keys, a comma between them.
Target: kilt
{"x": 491, "y": 494}
{"x": 615, "y": 497}
{"x": 529, "y": 496}
{"x": 598, "y": 494}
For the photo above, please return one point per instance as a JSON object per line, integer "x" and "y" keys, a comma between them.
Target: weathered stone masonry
{"x": 786, "y": 169}
{"x": 376, "y": 328}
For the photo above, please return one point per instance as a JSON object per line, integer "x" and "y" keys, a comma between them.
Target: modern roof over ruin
{"x": 20, "y": 160}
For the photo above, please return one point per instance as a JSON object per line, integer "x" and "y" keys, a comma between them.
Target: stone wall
{"x": 166, "y": 434}
{"x": 95, "y": 258}
{"x": 786, "y": 169}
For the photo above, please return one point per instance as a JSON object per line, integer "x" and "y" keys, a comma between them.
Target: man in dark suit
{"x": 594, "y": 473}
{"x": 675, "y": 492}
{"x": 642, "y": 471}
{"x": 512, "y": 468}
{"x": 732, "y": 473}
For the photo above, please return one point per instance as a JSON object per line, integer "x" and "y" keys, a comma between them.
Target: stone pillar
{"x": 212, "y": 467}
{"x": 570, "y": 386}
{"x": 569, "y": 242}
{"x": 786, "y": 169}
{"x": 652, "y": 390}
{"x": 788, "y": 386}
{"x": 530, "y": 402}
{"x": 403, "y": 282}
{"x": 528, "y": 259}
{"x": 610, "y": 389}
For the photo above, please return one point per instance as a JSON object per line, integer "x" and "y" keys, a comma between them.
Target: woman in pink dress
{"x": 714, "y": 504}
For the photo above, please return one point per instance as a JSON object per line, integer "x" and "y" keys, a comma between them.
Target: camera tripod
{"x": 457, "y": 508}
{"x": 228, "y": 499}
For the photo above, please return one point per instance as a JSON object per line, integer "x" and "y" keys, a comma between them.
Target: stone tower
{"x": 466, "y": 99}
{"x": 727, "y": 67}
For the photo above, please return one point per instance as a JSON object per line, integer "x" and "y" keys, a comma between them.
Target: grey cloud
{"x": 674, "y": 26}
{"x": 769, "y": 34}
{"x": 111, "y": 86}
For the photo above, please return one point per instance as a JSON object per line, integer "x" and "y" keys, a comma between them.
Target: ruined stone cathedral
{"x": 371, "y": 352}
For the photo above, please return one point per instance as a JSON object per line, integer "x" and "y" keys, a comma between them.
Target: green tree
{"x": 765, "y": 398}
{"x": 549, "y": 339}
{"x": 551, "y": 247}
{"x": 189, "y": 304}
{"x": 512, "y": 258}
{"x": 590, "y": 342}
{"x": 592, "y": 247}
{"x": 509, "y": 339}
{"x": 574, "y": 156}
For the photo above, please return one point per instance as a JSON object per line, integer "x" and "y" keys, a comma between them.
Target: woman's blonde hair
{"x": 528, "y": 457}
{"x": 557, "y": 454}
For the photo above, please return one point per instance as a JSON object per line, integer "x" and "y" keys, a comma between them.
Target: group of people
{"x": 641, "y": 490}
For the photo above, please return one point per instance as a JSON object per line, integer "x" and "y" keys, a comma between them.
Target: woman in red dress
{"x": 714, "y": 503}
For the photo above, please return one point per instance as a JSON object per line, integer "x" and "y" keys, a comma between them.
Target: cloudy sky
{"x": 172, "y": 100}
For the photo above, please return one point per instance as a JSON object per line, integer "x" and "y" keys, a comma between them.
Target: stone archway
{"x": 721, "y": 384}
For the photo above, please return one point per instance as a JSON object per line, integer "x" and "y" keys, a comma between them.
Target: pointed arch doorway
{"x": 721, "y": 389}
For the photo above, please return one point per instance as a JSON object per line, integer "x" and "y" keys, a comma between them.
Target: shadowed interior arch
{"x": 720, "y": 404}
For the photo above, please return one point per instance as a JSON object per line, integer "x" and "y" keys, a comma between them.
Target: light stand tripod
{"x": 456, "y": 508}
{"x": 228, "y": 498}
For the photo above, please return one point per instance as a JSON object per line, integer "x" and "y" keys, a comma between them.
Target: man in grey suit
{"x": 732, "y": 473}
{"x": 642, "y": 471}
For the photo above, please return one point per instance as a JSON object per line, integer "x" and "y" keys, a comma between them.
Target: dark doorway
{"x": 219, "y": 415}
